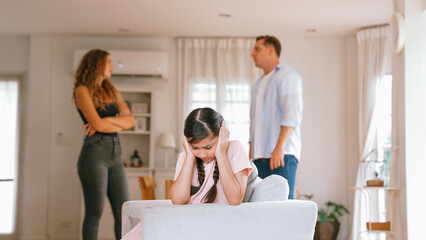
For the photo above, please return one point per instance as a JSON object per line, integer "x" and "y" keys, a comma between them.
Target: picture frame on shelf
{"x": 141, "y": 124}
{"x": 140, "y": 107}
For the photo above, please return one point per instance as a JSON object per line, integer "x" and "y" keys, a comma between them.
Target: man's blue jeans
{"x": 288, "y": 171}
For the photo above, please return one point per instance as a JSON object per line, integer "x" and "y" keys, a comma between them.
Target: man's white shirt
{"x": 258, "y": 117}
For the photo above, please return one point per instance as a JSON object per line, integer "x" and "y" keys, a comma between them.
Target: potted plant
{"x": 328, "y": 223}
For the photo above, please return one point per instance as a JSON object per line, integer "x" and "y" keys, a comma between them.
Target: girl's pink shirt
{"x": 238, "y": 160}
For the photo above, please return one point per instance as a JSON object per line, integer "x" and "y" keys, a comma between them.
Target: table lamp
{"x": 166, "y": 141}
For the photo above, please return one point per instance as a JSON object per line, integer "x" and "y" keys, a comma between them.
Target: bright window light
{"x": 384, "y": 123}
{"x": 232, "y": 101}
{"x": 384, "y": 130}
{"x": 8, "y": 151}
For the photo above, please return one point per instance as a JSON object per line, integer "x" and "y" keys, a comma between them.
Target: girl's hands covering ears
{"x": 222, "y": 141}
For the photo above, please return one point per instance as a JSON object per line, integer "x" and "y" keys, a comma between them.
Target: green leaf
{"x": 307, "y": 196}
{"x": 331, "y": 213}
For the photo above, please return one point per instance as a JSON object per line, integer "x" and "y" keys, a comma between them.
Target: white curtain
{"x": 216, "y": 72}
{"x": 8, "y": 149}
{"x": 374, "y": 62}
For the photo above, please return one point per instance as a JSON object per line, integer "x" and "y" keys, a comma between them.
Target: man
{"x": 275, "y": 114}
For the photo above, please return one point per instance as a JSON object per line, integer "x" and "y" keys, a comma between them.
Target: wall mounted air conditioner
{"x": 151, "y": 64}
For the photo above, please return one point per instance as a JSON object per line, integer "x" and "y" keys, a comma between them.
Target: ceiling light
{"x": 225, "y": 15}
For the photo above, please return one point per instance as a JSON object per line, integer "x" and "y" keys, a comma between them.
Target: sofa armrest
{"x": 132, "y": 212}
{"x": 285, "y": 220}
{"x": 272, "y": 188}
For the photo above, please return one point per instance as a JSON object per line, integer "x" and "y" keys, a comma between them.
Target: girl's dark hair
{"x": 91, "y": 67}
{"x": 200, "y": 124}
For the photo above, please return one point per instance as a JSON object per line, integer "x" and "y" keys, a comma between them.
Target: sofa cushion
{"x": 272, "y": 188}
{"x": 252, "y": 181}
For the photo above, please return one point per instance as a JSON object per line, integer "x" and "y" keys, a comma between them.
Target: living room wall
{"x": 50, "y": 196}
{"x": 329, "y": 162}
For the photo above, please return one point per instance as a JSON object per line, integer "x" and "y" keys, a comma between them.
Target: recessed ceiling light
{"x": 225, "y": 15}
{"x": 311, "y": 30}
{"x": 123, "y": 30}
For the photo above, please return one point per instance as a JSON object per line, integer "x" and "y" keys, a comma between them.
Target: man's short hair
{"x": 271, "y": 40}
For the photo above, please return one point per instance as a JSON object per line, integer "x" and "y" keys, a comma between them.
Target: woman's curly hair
{"x": 91, "y": 68}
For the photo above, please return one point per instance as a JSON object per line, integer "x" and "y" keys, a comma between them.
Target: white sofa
{"x": 264, "y": 214}
{"x": 284, "y": 220}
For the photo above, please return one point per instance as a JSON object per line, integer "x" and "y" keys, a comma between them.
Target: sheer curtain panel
{"x": 217, "y": 73}
{"x": 9, "y": 90}
{"x": 374, "y": 62}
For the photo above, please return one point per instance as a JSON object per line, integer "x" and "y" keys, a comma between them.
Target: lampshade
{"x": 166, "y": 140}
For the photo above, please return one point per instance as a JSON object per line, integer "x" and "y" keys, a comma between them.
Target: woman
{"x": 100, "y": 165}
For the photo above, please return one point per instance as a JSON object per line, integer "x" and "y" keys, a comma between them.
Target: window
{"x": 234, "y": 105}
{"x": 9, "y": 94}
{"x": 384, "y": 130}
{"x": 204, "y": 96}
{"x": 217, "y": 73}
{"x": 236, "y": 112}
{"x": 384, "y": 126}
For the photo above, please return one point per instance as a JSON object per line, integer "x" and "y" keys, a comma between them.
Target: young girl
{"x": 211, "y": 169}
{"x": 100, "y": 166}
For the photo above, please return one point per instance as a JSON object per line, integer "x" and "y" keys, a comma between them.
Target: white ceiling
{"x": 191, "y": 17}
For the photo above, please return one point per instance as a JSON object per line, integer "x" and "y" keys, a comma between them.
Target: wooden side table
{"x": 376, "y": 227}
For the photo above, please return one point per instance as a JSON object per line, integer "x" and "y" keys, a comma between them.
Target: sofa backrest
{"x": 132, "y": 211}
{"x": 285, "y": 220}
{"x": 272, "y": 188}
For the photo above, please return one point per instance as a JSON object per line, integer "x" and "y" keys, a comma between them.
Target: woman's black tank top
{"x": 111, "y": 110}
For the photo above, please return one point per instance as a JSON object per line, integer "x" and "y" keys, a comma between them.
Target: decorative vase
{"x": 326, "y": 231}
{"x": 135, "y": 160}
